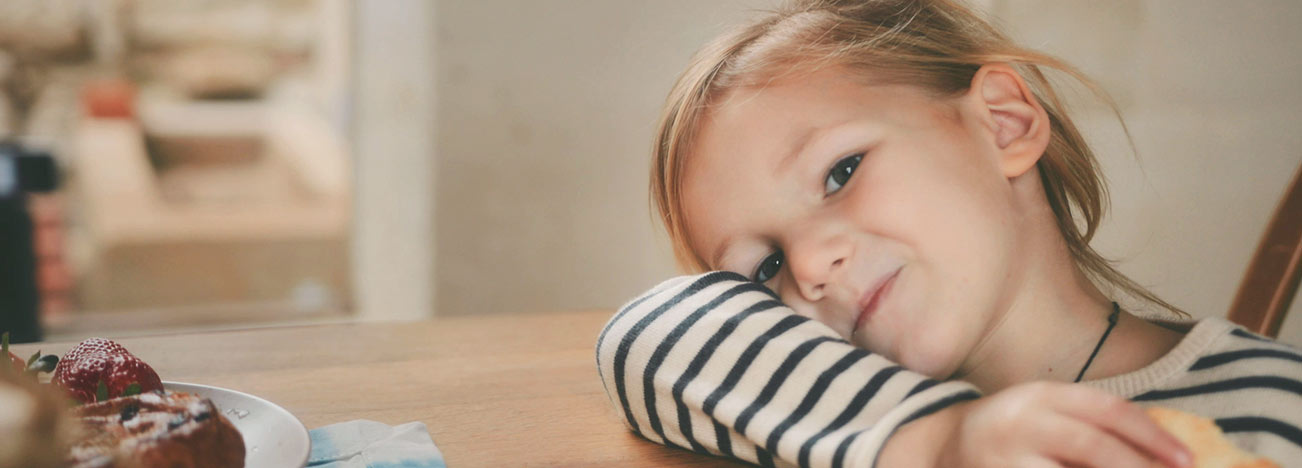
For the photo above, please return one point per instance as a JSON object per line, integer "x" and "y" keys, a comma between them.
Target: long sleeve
{"x": 716, "y": 364}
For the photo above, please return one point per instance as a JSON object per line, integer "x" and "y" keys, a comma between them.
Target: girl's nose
{"x": 814, "y": 263}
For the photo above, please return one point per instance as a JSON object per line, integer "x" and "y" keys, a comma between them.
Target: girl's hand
{"x": 1039, "y": 425}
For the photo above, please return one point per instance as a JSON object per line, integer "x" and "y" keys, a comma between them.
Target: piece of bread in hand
{"x": 1209, "y": 446}
{"x": 34, "y": 426}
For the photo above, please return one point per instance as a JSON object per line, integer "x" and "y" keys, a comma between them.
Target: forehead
{"x": 732, "y": 184}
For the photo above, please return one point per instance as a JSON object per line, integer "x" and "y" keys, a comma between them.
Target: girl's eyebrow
{"x": 805, "y": 139}
{"x": 798, "y": 147}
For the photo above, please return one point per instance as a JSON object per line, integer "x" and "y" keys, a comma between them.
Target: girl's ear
{"x": 1014, "y": 117}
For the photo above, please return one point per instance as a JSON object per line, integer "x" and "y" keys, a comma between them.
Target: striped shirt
{"x": 715, "y": 364}
{"x": 1249, "y": 385}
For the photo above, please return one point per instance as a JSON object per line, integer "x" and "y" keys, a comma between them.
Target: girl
{"x": 906, "y": 182}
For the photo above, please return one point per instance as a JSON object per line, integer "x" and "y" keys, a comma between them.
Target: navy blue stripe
{"x": 1241, "y": 333}
{"x": 747, "y": 357}
{"x": 1214, "y": 360}
{"x": 626, "y": 341}
{"x": 815, "y": 394}
{"x": 922, "y": 386}
{"x": 763, "y": 458}
{"x": 723, "y": 438}
{"x": 662, "y": 351}
{"x": 601, "y": 339}
{"x": 1256, "y": 424}
{"x": 838, "y": 461}
{"x": 721, "y": 433}
{"x": 856, "y": 406}
{"x": 698, "y": 363}
{"x": 779, "y": 376}
{"x": 838, "y": 458}
{"x": 1241, "y": 383}
{"x": 940, "y": 405}
{"x": 672, "y": 445}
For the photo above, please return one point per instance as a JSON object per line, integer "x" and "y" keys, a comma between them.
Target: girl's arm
{"x": 716, "y": 364}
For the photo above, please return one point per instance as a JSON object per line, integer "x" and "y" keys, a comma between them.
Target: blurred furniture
{"x": 21, "y": 171}
{"x": 494, "y": 390}
{"x": 211, "y": 203}
{"x": 1268, "y": 288}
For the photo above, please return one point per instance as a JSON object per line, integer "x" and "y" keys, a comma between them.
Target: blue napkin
{"x": 369, "y": 444}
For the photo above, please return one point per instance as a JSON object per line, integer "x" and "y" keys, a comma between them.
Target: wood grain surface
{"x": 495, "y": 391}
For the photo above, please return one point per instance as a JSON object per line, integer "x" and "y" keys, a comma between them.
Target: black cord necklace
{"x": 1112, "y": 322}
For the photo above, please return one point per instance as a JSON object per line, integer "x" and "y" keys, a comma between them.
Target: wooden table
{"x": 495, "y": 391}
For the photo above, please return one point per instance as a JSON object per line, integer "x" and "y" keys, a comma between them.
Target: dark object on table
{"x": 22, "y": 171}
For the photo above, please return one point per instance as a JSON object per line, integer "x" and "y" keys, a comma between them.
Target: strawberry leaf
{"x": 101, "y": 391}
{"x": 133, "y": 389}
{"x": 4, "y": 343}
{"x": 45, "y": 363}
{"x": 32, "y": 360}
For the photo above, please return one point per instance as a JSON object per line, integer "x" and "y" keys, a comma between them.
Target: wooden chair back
{"x": 1271, "y": 281}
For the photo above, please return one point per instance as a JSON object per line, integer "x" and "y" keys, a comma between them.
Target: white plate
{"x": 273, "y": 437}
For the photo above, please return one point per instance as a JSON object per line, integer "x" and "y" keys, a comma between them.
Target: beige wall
{"x": 545, "y": 114}
{"x": 1209, "y": 91}
{"x": 544, "y": 121}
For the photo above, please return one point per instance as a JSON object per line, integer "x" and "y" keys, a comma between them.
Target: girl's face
{"x": 880, "y": 211}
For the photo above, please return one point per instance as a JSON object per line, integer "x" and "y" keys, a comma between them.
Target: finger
{"x": 1127, "y": 421}
{"x": 1076, "y": 443}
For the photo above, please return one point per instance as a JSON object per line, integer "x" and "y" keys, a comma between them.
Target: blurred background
{"x": 234, "y": 163}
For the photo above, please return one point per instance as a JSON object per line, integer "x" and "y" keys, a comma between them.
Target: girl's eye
{"x": 768, "y": 268}
{"x": 840, "y": 173}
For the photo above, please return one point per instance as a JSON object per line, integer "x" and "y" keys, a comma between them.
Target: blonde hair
{"x": 937, "y": 45}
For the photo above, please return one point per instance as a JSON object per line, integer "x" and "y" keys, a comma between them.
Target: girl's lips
{"x": 872, "y": 299}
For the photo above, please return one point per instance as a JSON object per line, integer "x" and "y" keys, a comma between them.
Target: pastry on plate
{"x": 156, "y": 430}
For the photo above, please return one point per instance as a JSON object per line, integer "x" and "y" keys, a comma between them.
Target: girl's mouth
{"x": 873, "y": 298}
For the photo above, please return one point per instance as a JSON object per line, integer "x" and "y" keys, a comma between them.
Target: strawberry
{"x": 126, "y": 370}
{"x": 18, "y": 363}
{"x": 99, "y": 369}
{"x": 80, "y": 378}
{"x": 33, "y": 365}
{"x": 87, "y": 347}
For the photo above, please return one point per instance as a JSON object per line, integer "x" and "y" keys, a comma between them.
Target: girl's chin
{"x": 931, "y": 354}
{"x": 935, "y": 370}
